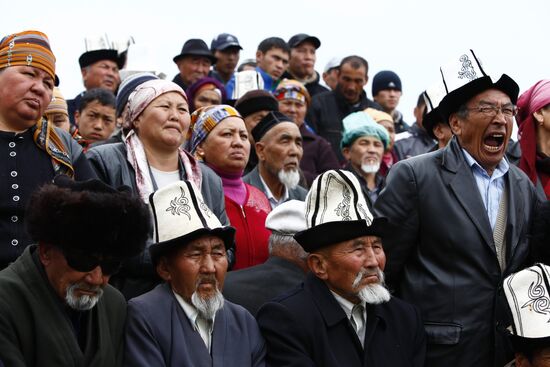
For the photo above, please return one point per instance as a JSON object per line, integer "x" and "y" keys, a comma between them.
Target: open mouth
{"x": 493, "y": 142}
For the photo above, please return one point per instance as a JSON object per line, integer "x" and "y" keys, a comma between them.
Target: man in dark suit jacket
{"x": 342, "y": 315}
{"x": 279, "y": 150}
{"x": 284, "y": 269}
{"x": 463, "y": 215}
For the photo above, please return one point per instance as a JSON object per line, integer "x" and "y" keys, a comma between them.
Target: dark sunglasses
{"x": 85, "y": 262}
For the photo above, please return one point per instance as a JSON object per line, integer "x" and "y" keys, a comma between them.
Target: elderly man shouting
{"x": 342, "y": 315}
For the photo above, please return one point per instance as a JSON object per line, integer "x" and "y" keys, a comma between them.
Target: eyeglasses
{"x": 85, "y": 262}
{"x": 489, "y": 110}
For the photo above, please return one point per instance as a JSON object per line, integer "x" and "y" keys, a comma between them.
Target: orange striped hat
{"x": 27, "y": 48}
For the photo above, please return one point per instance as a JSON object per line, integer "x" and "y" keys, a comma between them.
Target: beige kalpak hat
{"x": 180, "y": 216}
{"x": 528, "y": 295}
{"x": 337, "y": 211}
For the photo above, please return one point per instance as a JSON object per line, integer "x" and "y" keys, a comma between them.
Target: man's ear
{"x": 163, "y": 269}
{"x": 259, "y": 56}
{"x": 76, "y": 117}
{"x": 456, "y": 124}
{"x": 317, "y": 265}
{"x": 45, "y": 253}
{"x": 346, "y": 153}
{"x": 260, "y": 151}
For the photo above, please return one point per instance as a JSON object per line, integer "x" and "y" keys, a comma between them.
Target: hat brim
{"x": 528, "y": 344}
{"x": 316, "y": 42}
{"x": 452, "y": 101}
{"x": 91, "y": 57}
{"x": 331, "y": 233}
{"x": 206, "y": 54}
{"x": 227, "y": 235}
{"x": 227, "y": 45}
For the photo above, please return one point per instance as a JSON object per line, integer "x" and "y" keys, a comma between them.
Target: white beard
{"x": 207, "y": 307}
{"x": 370, "y": 168}
{"x": 85, "y": 302}
{"x": 289, "y": 178}
{"x": 372, "y": 294}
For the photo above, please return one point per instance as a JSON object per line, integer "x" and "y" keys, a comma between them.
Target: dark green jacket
{"x": 36, "y": 331}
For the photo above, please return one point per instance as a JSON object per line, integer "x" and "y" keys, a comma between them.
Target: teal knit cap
{"x": 359, "y": 124}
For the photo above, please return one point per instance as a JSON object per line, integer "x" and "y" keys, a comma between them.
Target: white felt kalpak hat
{"x": 337, "y": 211}
{"x": 287, "y": 218}
{"x": 464, "y": 77}
{"x": 528, "y": 295}
{"x": 180, "y": 216}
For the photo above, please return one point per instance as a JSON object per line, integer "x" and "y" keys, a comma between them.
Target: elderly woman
{"x": 318, "y": 156}
{"x": 33, "y": 150}
{"x": 534, "y": 136}
{"x": 221, "y": 141}
{"x": 151, "y": 157}
{"x": 205, "y": 92}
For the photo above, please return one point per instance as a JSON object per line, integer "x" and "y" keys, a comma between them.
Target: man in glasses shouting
{"x": 56, "y": 307}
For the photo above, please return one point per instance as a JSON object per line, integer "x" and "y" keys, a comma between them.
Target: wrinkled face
{"x": 351, "y": 82}
{"x": 193, "y": 68}
{"x": 280, "y": 148}
{"x": 80, "y": 290}
{"x": 226, "y": 146}
{"x": 60, "y": 120}
{"x": 274, "y": 62}
{"x": 101, "y": 74}
{"x": 388, "y": 99}
{"x": 252, "y": 120}
{"x": 294, "y": 109}
{"x": 199, "y": 266}
{"x": 25, "y": 93}
{"x": 366, "y": 150}
{"x": 164, "y": 122}
{"x": 227, "y": 60}
{"x": 302, "y": 60}
{"x": 96, "y": 121}
{"x": 331, "y": 78}
{"x": 484, "y": 137}
{"x": 345, "y": 260}
{"x": 390, "y": 127}
{"x": 207, "y": 97}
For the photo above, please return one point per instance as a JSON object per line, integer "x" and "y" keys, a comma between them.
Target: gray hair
{"x": 286, "y": 242}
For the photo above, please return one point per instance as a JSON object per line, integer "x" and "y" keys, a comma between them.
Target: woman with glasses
{"x": 534, "y": 135}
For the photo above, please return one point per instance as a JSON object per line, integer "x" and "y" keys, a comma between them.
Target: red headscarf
{"x": 530, "y": 101}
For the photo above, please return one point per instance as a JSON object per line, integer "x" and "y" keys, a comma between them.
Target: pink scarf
{"x": 138, "y": 160}
{"x": 530, "y": 101}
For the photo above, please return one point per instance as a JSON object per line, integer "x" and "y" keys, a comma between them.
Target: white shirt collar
{"x": 274, "y": 202}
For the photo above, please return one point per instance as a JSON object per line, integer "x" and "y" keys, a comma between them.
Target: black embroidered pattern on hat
{"x": 467, "y": 70}
{"x": 179, "y": 205}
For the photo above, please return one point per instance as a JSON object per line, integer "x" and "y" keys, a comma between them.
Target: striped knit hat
{"x": 205, "y": 120}
{"x": 58, "y": 103}
{"x": 27, "y": 48}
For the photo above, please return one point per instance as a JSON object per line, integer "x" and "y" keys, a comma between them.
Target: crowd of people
{"x": 248, "y": 214}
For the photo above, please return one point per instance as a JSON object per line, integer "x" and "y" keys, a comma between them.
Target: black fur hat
{"x": 89, "y": 216}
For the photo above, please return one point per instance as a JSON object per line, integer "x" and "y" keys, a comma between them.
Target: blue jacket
{"x": 158, "y": 333}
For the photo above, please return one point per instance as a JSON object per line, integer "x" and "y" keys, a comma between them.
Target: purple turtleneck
{"x": 233, "y": 185}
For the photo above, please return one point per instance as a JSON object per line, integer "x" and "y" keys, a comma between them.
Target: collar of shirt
{"x": 191, "y": 312}
{"x": 500, "y": 170}
{"x": 490, "y": 187}
{"x": 272, "y": 201}
{"x": 347, "y": 306}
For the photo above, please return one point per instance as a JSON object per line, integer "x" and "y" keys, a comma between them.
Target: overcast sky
{"x": 411, "y": 37}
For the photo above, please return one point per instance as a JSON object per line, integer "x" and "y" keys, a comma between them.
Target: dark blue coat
{"x": 158, "y": 333}
{"x": 307, "y": 327}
